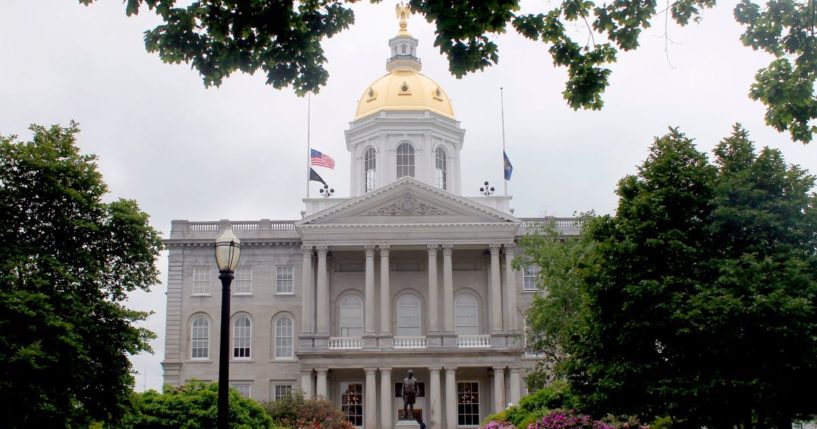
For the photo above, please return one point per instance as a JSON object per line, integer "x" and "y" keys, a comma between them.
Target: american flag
{"x": 321, "y": 160}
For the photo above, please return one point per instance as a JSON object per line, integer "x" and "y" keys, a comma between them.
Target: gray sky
{"x": 239, "y": 151}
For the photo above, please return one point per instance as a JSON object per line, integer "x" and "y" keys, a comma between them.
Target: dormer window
{"x": 441, "y": 168}
{"x": 369, "y": 170}
{"x": 405, "y": 160}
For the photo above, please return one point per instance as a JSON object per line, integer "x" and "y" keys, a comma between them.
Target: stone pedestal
{"x": 407, "y": 424}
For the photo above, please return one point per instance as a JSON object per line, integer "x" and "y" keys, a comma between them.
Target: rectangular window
{"x": 529, "y": 278}
{"x": 242, "y": 387}
{"x": 243, "y": 281}
{"x": 468, "y": 403}
{"x": 284, "y": 279}
{"x": 280, "y": 391}
{"x": 201, "y": 281}
{"x": 351, "y": 402}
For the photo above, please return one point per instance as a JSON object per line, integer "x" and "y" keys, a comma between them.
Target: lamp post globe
{"x": 228, "y": 250}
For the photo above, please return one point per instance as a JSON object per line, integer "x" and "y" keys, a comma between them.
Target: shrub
{"x": 194, "y": 405}
{"x": 299, "y": 413}
{"x": 533, "y": 407}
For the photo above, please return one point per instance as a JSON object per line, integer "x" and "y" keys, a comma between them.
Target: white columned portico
{"x": 516, "y": 386}
{"x": 448, "y": 289}
{"x": 386, "y": 396}
{"x": 322, "y": 327}
{"x": 450, "y": 397}
{"x": 306, "y": 383}
{"x": 370, "y": 398}
{"x": 499, "y": 389}
{"x": 510, "y": 290}
{"x": 433, "y": 290}
{"x": 434, "y": 399}
{"x": 320, "y": 385}
{"x": 307, "y": 293}
{"x": 385, "y": 293}
{"x": 495, "y": 309}
{"x": 369, "y": 311}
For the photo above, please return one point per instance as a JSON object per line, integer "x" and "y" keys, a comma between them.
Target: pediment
{"x": 408, "y": 201}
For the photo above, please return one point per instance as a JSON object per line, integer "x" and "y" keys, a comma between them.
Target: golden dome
{"x": 404, "y": 89}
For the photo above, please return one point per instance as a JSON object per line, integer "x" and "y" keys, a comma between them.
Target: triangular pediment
{"x": 408, "y": 201}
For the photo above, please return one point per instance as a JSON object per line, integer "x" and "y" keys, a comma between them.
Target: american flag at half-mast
{"x": 321, "y": 159}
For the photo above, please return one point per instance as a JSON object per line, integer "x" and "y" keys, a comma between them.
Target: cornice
{"x": 245, "y": 242}
{"x": 484, "y": 225}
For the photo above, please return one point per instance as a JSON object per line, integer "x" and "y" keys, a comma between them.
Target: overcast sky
{"x": 238, "y": 152}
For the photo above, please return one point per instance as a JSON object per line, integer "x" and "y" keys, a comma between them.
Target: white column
{"x": 385, "y": 293}
{"x": 510, "y": 290}
{"x": 320, "y": 390}
{"x": 433, "y": 290}
{"x": 322, "y": 327}
{"x": 369, "y": 311}
{"x": 386, "y": 396}
{"x": 448, "y": 289}
{"x": 306, "y": 383}
{"x": 450, "y": 398}
{"x": 307, "y": 293}
{"x": 495, "y": 309}
{"x": 499, "y": 389}
{"x": 516, "y": 386}
{"x": 370, "y": 398}
{"x": 434, "y": 398}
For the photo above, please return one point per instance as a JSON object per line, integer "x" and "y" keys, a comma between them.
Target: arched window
{"x": 369, "y": 170}
{"x": 351, "y": 316}
{"x": 242, "y": 336}
{"x": 441, "y": 168}
{"x": 200, "y": 338}
{"x": 405, "y": 160}
{"x": 408, "y": 316}
{"x": 283, "y": 337}
{"x": 465, "y": 315}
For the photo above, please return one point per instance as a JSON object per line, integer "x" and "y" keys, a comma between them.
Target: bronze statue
{"x": 409, "y": 394}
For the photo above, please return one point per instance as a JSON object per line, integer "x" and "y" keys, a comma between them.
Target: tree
{"x": 67, "y": 261}
{"x": 556, "y": 312}
{"x": 192, "y": 406}
{"x": 283, "y": 39}
{"x": 703, "y": 305}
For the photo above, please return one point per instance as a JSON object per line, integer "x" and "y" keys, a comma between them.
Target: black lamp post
{"x": 228, "y": 249}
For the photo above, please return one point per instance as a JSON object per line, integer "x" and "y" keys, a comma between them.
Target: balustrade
{"x": 345, "y": 343}
{"x": 473, "y": 341}
{"x": 418, "y": 342}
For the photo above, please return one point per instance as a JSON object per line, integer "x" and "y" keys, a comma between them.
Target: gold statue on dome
{"x": 402, "y": 11}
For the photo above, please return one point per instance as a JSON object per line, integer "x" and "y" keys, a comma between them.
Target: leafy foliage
{"x": 533, "y": 407}
{"x": 703, "y": 304}
{"x": 283, "y": 39}
{"x": 192, "y": 406}
{"x": 67, "y": 262}
{"x": 555, "y": 313}
{"x": 297, "y": 412}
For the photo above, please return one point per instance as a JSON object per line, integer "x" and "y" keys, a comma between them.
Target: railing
{"x": 473, "y": 341}
{"x": 204, "y": 226}
{"x": 401, "y": 57}
{"x": 345, "y": 343}
{"x": 246, "y": 225}
{"x": 559, "y": 222}
{"x": 410, "y": 342}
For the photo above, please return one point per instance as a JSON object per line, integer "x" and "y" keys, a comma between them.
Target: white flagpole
{"x": 502, "y": 103}
{"x": 308, "y": 142}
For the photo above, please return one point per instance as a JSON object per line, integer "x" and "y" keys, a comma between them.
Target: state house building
{"x": 406, "y": 273}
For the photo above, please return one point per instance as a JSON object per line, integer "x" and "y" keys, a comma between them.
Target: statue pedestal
{"x": 407, "y": 424}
